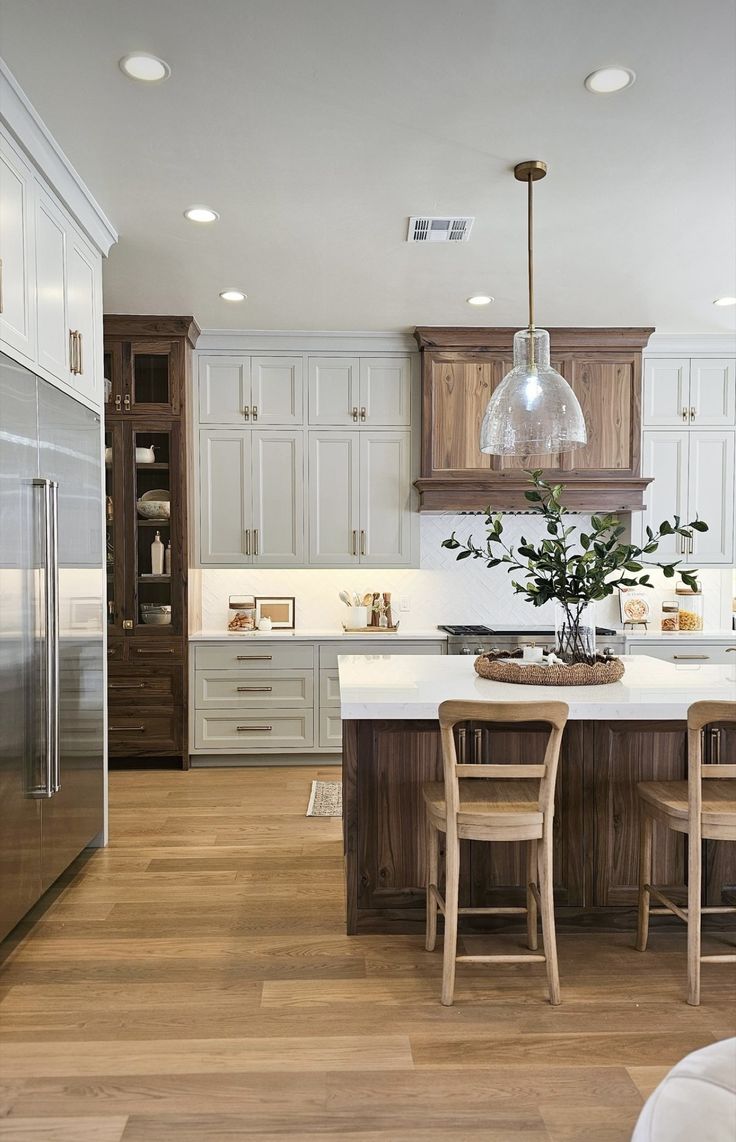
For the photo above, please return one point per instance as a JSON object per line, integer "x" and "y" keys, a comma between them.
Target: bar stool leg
{"x": 645, "y": 878}
{"x": 531, "y": 900}
{"x": 452, "y": 887}
{"x": 548, "y": 913}
{"x": 693, "y": 917}
{"x": 433, "y": 867}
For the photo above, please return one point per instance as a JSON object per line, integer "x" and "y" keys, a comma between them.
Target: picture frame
{"x": 280, "y": 609}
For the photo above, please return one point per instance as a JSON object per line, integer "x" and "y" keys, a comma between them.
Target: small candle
{"x": 533, "y": 653}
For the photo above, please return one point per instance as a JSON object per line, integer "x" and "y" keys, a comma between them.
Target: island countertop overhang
{"x": 411, "y": 687}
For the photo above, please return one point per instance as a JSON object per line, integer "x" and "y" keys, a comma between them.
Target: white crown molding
{"x": 691, "y": 345}
{"x": 303, "y": 340}
{"x": 31, "y": 134}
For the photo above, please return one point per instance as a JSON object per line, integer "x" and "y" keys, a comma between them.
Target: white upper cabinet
{"x": 689, "y": 392}
{"x": 334, "y": 390}
{"x": 17, "y": 310}
{"x": 225, "y": 501}
{"x": 224, "y": 390}
{"x": 711, "y": 490}
{"x": 53, "y": 331}
{"x": 277, "y": 390}
{"x": 385, "y": 498}
{"x": 334, "y": 501}
{"x": 385, "y": 391}
{"x": 84, "y": 316}
{"x": 665, "y": 457}
{"x": 277, "y": 468}
{"x": 712, "y": 392}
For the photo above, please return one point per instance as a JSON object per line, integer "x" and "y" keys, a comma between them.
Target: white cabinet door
{"x": 277, "y": 390}
{"x": 712, "y": 392}
{"x": 278, "y": 497}
{"x": 53, "y": 330}
{"x": 17, "y": 271}
{"x": 83, "y": 270}
{"x": 225, "y": 496}
{"x": 711, "y": 486}
{"x": 385, "y": 498}
{"x": 666, "y": 392}
{"x": 334, "y": 390}
{"x": 385, "y": 391}
{"x": 223, "y": 389}
{"x": 664, "y": 456}
{"x": 334, "y": 467}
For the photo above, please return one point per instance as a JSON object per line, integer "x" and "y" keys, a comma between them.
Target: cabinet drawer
{"x": 130, "y": 689}
{"x": 144, "y": 731}
{"x": 222, "y": 689}
{"x": 329, "y": 688}
{"x": 254, "y": 655}
{"x": 690, "y": 653}
{"x": 257, "y": 730}
{"x": 146, "y": 650}
{"x": 330, "y": 729}
{"x": 329, "y": 651}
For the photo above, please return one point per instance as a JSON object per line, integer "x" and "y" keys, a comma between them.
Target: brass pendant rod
{"x": 530, "y": 267}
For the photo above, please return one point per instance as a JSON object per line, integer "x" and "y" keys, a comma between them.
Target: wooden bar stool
{"x": 496, "y": 802}
{"x": 704, "y": 812}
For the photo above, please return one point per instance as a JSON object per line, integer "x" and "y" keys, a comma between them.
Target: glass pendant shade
{"x": 533, "y": 410}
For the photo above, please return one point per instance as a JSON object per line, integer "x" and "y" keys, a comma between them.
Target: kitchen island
{"x": 617, "y": 735}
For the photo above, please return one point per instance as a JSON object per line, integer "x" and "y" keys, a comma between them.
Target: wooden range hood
{"x": 460, "y": 369}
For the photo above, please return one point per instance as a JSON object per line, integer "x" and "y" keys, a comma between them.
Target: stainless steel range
{"x": 480, "y": 639}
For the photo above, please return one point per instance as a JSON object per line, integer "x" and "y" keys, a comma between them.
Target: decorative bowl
{"x": 145, "y": 455}
{"x": 155, "y": 504}
{"x": 156, "y": 616}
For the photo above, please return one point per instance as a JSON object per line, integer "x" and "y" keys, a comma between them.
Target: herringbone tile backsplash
{"x": 439, "y": 591}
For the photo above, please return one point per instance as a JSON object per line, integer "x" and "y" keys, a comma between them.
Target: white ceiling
{"x": 316, "y": 127}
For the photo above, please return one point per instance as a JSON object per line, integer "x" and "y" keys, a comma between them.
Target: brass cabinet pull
{"x": 80, "y": 367}
{"x": 153, "y": 650}
{"x": 684, "y": 413}
{"x": 362, "y": 542}
{"x": 246, "y": 412}
{"x": 254, "y": 729}
{"x": 691, "y": 542}
{"x": 363, "y": 413}
{"x": 72, "y": 352}
{"x": 247, "y": 541}
{"x": 253, "y": 657}
{"x": 126, "y": 685}
{"x": 254, "y": 412}
{"x": 693, "y": 414}
{"x": 126, "y": 402}
{"x": 355, "y": 542}
{"x": 254, "y": 689}
{"x": 127, "y": 624}
{"x": 255, "y": 540}
{"x": 118, "y": 403}
{"x": 355, "y": 413}
{"x": 127, "y": 729}
{"x": 692, "y": 657}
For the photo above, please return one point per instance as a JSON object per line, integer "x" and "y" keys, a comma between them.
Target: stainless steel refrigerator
{"x": 51, "y": 636}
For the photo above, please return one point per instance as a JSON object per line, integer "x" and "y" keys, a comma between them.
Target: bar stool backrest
{"x": 553, "y": 714}
{"x": 700, "y": 715}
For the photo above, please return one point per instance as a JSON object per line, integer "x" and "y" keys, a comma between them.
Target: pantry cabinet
{"x": 370, "y": 391}
{"x": 360, "y": 498}
{"x": 251, "y": 497}
{"x": 694, "y": 475}
{"x": 697, "y": 391}
{"x": 245, "y": 390}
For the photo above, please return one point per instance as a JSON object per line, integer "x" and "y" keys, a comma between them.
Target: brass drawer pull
{"x": 254, "y": 689}
{"x": 692, "y": 657}
{"x": 127, "y": 729}
{"x": 127, "y": 685}
{"x": 253, "y": 657}
{"x": 153, "y": 650}
{"x": 254, "y": 729}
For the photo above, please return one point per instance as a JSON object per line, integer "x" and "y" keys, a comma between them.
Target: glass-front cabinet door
{"x": 115, "y": 526}
{"x": 154, "y": 369}
{"x": 157, "y": 544}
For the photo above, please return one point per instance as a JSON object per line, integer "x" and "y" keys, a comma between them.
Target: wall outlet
{"x": 404, "y": 603}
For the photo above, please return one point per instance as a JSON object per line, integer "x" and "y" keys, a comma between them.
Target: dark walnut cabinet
{"x": 461, "y": 368}
{"x": 146, "y": 363}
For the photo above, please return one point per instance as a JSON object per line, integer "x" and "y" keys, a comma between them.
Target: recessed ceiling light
{"x": 479, "y": 299}
{"x": 144, "y": 66}
{"x": 725, "y": 301}
{"x": 201, "y": 214}
{"x": 606, "y": 80}
{"x": 233, "y": 295}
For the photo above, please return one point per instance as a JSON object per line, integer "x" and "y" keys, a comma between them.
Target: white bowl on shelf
{"x": 146, "y": 455}
{"x": 154, "y": 615}
{"x": 155, "y": 504}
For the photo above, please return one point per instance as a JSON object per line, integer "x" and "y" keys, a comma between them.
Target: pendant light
{"x": 533, "y": 410}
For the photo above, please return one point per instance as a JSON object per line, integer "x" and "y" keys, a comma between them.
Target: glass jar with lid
{"x": 241, "y": 613}
{"x": 670, "y": 616}
{"x": 690, "y": 606}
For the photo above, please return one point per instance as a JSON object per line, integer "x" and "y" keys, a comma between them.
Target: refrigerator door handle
{"x": 51, "y": 640}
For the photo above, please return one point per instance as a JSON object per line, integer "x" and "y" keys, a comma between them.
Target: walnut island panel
{"x": 617, "y": 735}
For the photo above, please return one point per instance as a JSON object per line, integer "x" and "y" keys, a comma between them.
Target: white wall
{"x": 440, "y": 590}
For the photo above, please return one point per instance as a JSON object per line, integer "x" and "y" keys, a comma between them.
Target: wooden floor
{"x": 192, "y": 982}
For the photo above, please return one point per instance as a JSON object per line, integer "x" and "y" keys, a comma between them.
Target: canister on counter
{"x": 690, "y": 604}
{"x": 241, "y": 613}
{"x": 670, "y": 616}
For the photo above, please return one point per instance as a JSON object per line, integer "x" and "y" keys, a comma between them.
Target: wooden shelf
{"x": 154, "y": 522}
{"x": 154, "y": 578}
{"x": 154, "y": 467}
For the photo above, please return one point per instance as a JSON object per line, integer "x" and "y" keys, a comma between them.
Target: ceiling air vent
{"x": 424, "y": 229}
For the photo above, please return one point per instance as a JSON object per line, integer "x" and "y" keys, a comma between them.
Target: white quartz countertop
{"x": 328, "y": 635}
{"x": 720, "y": 635}
{"x": 413, "y": 686}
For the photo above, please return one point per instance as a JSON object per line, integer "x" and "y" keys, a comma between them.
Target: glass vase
{"x": 574, "y": 630}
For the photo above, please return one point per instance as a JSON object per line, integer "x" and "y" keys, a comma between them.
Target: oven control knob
{"x": 466, "y": 650}
{"x": 609, "y": 651}
{"x": 480, "y": 650}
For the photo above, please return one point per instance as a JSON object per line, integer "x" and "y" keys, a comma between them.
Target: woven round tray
{"x": 596, "y": 673}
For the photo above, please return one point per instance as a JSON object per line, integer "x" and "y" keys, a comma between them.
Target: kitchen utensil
{"x": 345, "y": 598}
{"x": 146, "y": 455}
{"x": 357, "y": 616}
{"x": 367, "y": 599}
